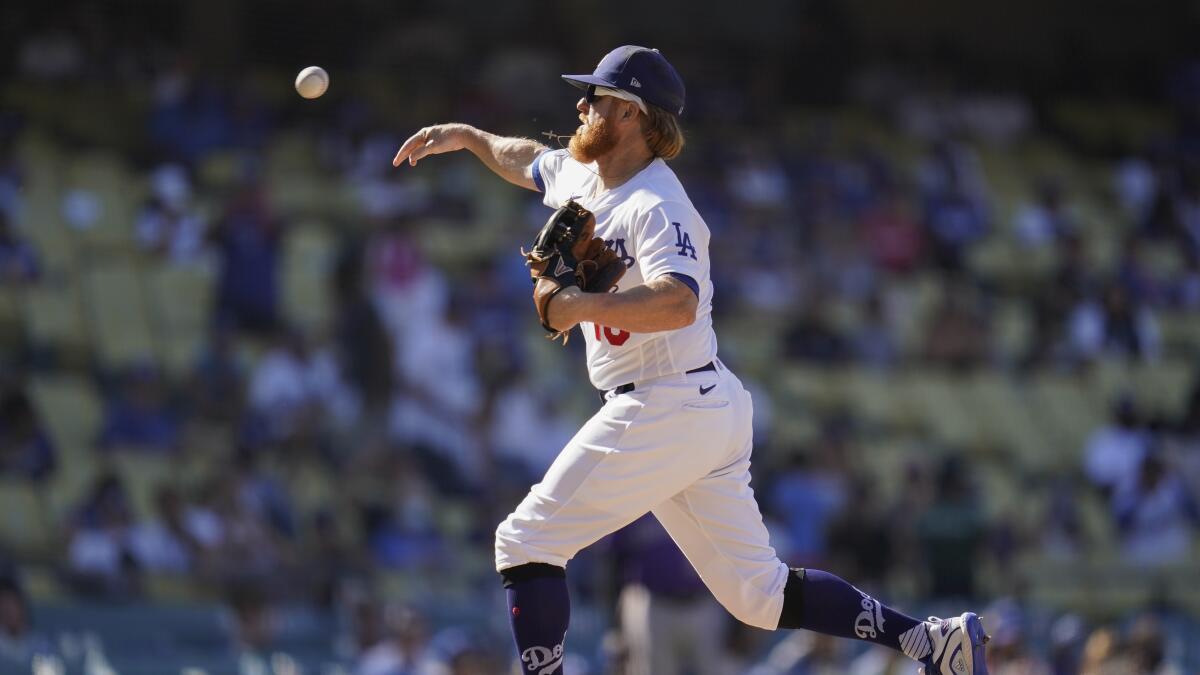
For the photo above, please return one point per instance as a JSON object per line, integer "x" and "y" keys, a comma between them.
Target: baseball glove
{"x": 566, "y": 253}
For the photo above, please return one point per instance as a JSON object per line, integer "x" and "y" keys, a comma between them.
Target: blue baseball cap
{"x": 640, "y": 71}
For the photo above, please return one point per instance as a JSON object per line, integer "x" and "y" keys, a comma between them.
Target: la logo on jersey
{"x": 684, "y": 241}
{"x": 618, "y": 247}
{"x": 537, "y": 657}
{"x": 870, "y": 619}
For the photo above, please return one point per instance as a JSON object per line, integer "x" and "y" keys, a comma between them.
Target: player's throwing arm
{"x": 509, "y": 158}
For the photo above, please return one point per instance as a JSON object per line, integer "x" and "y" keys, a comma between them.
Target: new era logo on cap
{"x": 637, "y": 70}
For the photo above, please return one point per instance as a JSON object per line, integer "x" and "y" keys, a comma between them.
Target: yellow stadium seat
{"x": 181, "y": 298}
{"x": 995, "y": 258}
{"x": 309, "y": 256}
{"x": 1164, "y": 386}
{"x": 171, "y": 588}
{"x": 1066, "y": 409}
{"x": 1008, "y": 420}
{"x": 24, "y": 527}
{"x": 944, "y": 410}
{"x": 106, "y": 179}
{"x": 1180, "y": 332}
{"x": 1109, "y": 379}
{"x": 143, "y": 475}
{"x": 310, "y": 486}
{"x": 119, "y": 319}
{"x": 10, "y": 311}
{"x": 1096, "y": 520}
{"x": 1166, "y": 259}
{"x": 807, "y": 386}
{"x": 885, "y": 462}
{"x": 1002, "y": 494}
{"x": 1013, "y": 329}
{"x": 53, "y": 317}
{"x": 71, "y": 409}
{"x": 42, "y": 226}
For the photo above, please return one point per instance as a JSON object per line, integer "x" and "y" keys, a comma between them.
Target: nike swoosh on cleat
{"x": 704, "y": 390}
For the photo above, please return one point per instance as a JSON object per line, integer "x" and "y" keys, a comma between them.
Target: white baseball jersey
{"x": 650, "y": 222}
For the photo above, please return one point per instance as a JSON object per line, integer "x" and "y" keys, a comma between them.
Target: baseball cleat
{"x": 957, "y": 646}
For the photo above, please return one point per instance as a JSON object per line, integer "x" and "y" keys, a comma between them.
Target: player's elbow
{"x": 677, "y": 302}
{"x": 683, "y": 310}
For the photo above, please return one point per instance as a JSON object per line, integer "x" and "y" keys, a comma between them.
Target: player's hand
{"x": 430, "y": 141}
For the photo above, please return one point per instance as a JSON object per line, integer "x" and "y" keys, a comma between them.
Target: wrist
{"x": 467, "y": 137}
{"x": 566, "y": 309}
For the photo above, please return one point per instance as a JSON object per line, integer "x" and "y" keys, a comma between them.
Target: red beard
{"x": 594, "y": 141}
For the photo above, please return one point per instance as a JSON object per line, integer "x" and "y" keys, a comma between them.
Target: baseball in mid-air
{"x": 312, "y": 82}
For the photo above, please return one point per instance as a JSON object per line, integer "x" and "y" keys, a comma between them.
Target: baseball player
{"x": 673, "y": 436}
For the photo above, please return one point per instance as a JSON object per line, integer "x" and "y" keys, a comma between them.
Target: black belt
{"x": 628, "y": 387}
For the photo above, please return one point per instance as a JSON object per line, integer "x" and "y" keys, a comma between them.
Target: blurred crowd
{"x": 364, "y": 441}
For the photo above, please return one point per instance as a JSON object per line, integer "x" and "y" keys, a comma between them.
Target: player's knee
{"x": 529, "y": 571}
{"x": 756, "y": 617}
{"x": 755, "y": 606}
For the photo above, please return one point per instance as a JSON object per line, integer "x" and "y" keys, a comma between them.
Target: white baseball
{"x": 312, "y": 82}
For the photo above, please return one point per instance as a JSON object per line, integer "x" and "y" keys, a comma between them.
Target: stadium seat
{"x": 879, "y": 397}
{"x": 53, "y": 318}
{"x": 308, "y": 258}
{"x": 181, "y": 298}
{"x": 1008, "y": 421}
{"x": 1002, "y": 491}
{"x": 751, "y": 344}
{"x": 944, "y": 410}
{"x": 918, "y": 297}
{"x": 1067, "y": 411}
{"x": 1180, "y": 332}
{"x": 310, "y": 484}
{"x": 117, "y": 192}
{"x": 118, "y": 316}
{"x": 885, "y": 460}
{"x": 71, "y": 409}
{"x": 805, "y": 386}
{"x": 1096, "y": 520}
{"x": 42, "y": 226}
{"x": 10, "y": 315}
{"x": 72, "y": 412}
{"x": 1012, "y": 329}
{"x": 24, "y": 527}
{"x": 143, "y": 474}
{"x": 1164, "y": 386}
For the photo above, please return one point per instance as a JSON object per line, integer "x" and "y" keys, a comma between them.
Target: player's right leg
{"x": 717, "y": 525}
{"x": 634, "y": 453}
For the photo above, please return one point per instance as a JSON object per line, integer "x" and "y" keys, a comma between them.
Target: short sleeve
{"x": 545, "y": 170}
{"x": 673, "y": 240}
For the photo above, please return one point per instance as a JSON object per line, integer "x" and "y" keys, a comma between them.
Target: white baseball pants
{"x": 677, "y": 446}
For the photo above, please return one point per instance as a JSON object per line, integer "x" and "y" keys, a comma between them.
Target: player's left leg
{"x": 717, "y": 525}
{"x": 718, "y": 529}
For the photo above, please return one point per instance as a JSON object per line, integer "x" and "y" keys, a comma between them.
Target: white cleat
{"x": 957, "y": 646}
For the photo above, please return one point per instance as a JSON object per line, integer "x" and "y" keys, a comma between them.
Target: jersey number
{"x": 684, "y": 242}
{"x": 615, "y": 338}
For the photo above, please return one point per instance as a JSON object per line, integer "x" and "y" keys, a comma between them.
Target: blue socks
{"x": 821, "y": 602}
{"x": 539, "y": 610}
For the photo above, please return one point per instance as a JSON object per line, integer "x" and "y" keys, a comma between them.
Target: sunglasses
{"x": 594, "y": 92}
